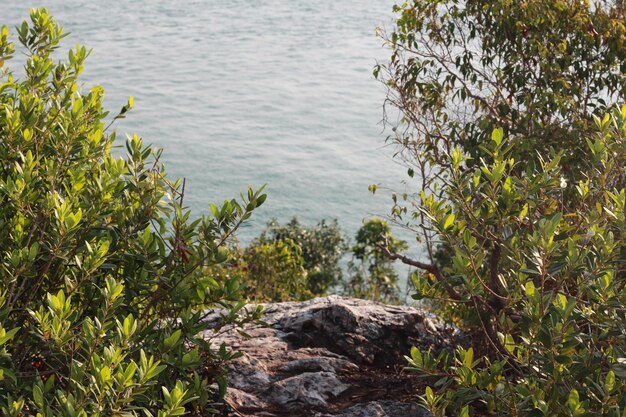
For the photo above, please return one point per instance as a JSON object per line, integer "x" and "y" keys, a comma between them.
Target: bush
{"x": 274, "y": 272}
{"x": 540, "y": 280}
{"x": 293, "y": 262}
{"x": 537, "y": 69}
{"x": 372, "y": 275}
{"x": 288, "y": 262}
{"x": 523, "y": 236}
{"x": 103, "y": 275}
{"x": 322, "y": 247}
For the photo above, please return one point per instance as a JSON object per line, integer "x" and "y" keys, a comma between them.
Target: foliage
{"x": 373, "y": 276}
{"x": 322, "y": 247}
{"x": 102, "y": 274}
{"x": 293, "y": 262}
{"x": 537, "y": 69}
{"x": 523, "y": 235}
{"x": 288, "y": 262}
{"x": 275, "y": 272}
{"x": 543, "y": 278}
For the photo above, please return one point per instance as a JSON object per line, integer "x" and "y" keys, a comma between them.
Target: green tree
{"x": 539, "y": 281}
{"x": 521, "y": 207}
{"x": 372, "y": 275}
{"x": 321, "y": 246}
{"x": 103, "y": 277}
{"x": 537, "y": 69}
{"x": 274, "y": 272}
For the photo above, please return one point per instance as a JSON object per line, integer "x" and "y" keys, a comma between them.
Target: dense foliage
{"x": 522, "y": 202}
{"x": 292, "y": 261}
{"x": 103, "y": 283}
{"x": 537, "y": 69}
{"x": 287, "y": 262}
{"x": 321, "y": 246}
{"x": 297, "y": 262}
{"x": 543, "y": 279}
{"x": 274, "y": 271}
{"x": 371, "y": 272}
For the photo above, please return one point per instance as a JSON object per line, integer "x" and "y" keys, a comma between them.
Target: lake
{"x": 246, "y": 92}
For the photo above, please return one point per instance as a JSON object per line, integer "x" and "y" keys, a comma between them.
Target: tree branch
{"x": 433, "y": 269}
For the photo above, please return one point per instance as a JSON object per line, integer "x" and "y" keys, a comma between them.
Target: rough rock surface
{"x": 330, "y": 356}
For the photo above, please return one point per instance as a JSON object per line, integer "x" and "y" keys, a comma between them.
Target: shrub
{"x": 103, "y": 276}
{"x": 321, "y": 246}
{"x": 372, "y": 275}
{"x": 288, "y": 262}
{"x": 537, "y": 69}
{"x": 274, "y": 272}
{"x": 540, "y": 281}
{"x": 293, "y": 262}
{"x": 523, "y": 236}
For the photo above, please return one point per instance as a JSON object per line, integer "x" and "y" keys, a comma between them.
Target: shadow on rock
{"x": 331, "y": 356}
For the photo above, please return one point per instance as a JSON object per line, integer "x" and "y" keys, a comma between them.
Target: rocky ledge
{"x": 330, "y": 356}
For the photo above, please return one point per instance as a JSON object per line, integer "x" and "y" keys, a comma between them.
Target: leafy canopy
{"x": 537, "y": 69}
{"x": 103, "y": 276}
{"x": 541, "y": 282}
{"x": 371, "y": 273}
{"x": 322, "y": 247}
{"x": 504, "y": 125}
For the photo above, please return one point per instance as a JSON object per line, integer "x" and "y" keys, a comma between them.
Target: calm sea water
{"x": 243, "y": 92}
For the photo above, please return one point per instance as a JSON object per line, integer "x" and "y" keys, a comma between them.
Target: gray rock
{"x": 365, "y": 332}
{"x": 381, "y": 409}
{"x": 330, "y": 356}
{"x": 306, "y": 389}
{"x": 244, "y": 399}
{"x": 321, "y": 363}
{"x": 251, "y": 374}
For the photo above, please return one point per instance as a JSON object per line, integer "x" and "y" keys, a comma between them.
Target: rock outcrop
{"x": 330, "y": 356}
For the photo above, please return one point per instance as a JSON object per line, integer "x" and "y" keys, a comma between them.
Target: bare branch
{"x": 433, "y": 269}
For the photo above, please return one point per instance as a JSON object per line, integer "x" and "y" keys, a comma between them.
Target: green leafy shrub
{"x": 275, "y": 272}
{"x": 541, "y": 279}
{"x": 103, "y": 277}
{"x": 459, "y": 69}
{"x": 372, "y": 275}
{"x": 537, "y": 69}
{"x": 322, "y": 248}
{"x": 293, "y": 262}
{"x": 523, "y": 236}
{"x": 288, "y": 262}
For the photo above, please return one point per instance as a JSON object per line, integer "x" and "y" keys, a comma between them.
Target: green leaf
{"x": 468, "y": 360}
{"x": 191, "y": 358}
{"x": 430, "y": 397}
{"x": 497, "y": 172}
{"x": 573, "y": 400}
{"x": 154, "y": 371}
{"x": 497, "y": 135}
{"x": 38, "y": 397}
{"x": 129, "y": 373}
{"x": 105, "y": 373}
{"x": 129, "y": 326}
{"x": 6, "y": 336}
{"x": 171, "y": 341}
{"x": 449, "y": 221}
{"x": 609, "y": 382}
{"x": 457, "y": 158}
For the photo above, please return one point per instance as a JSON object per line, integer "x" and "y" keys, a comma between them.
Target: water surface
{"x": 247, "y": 92}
